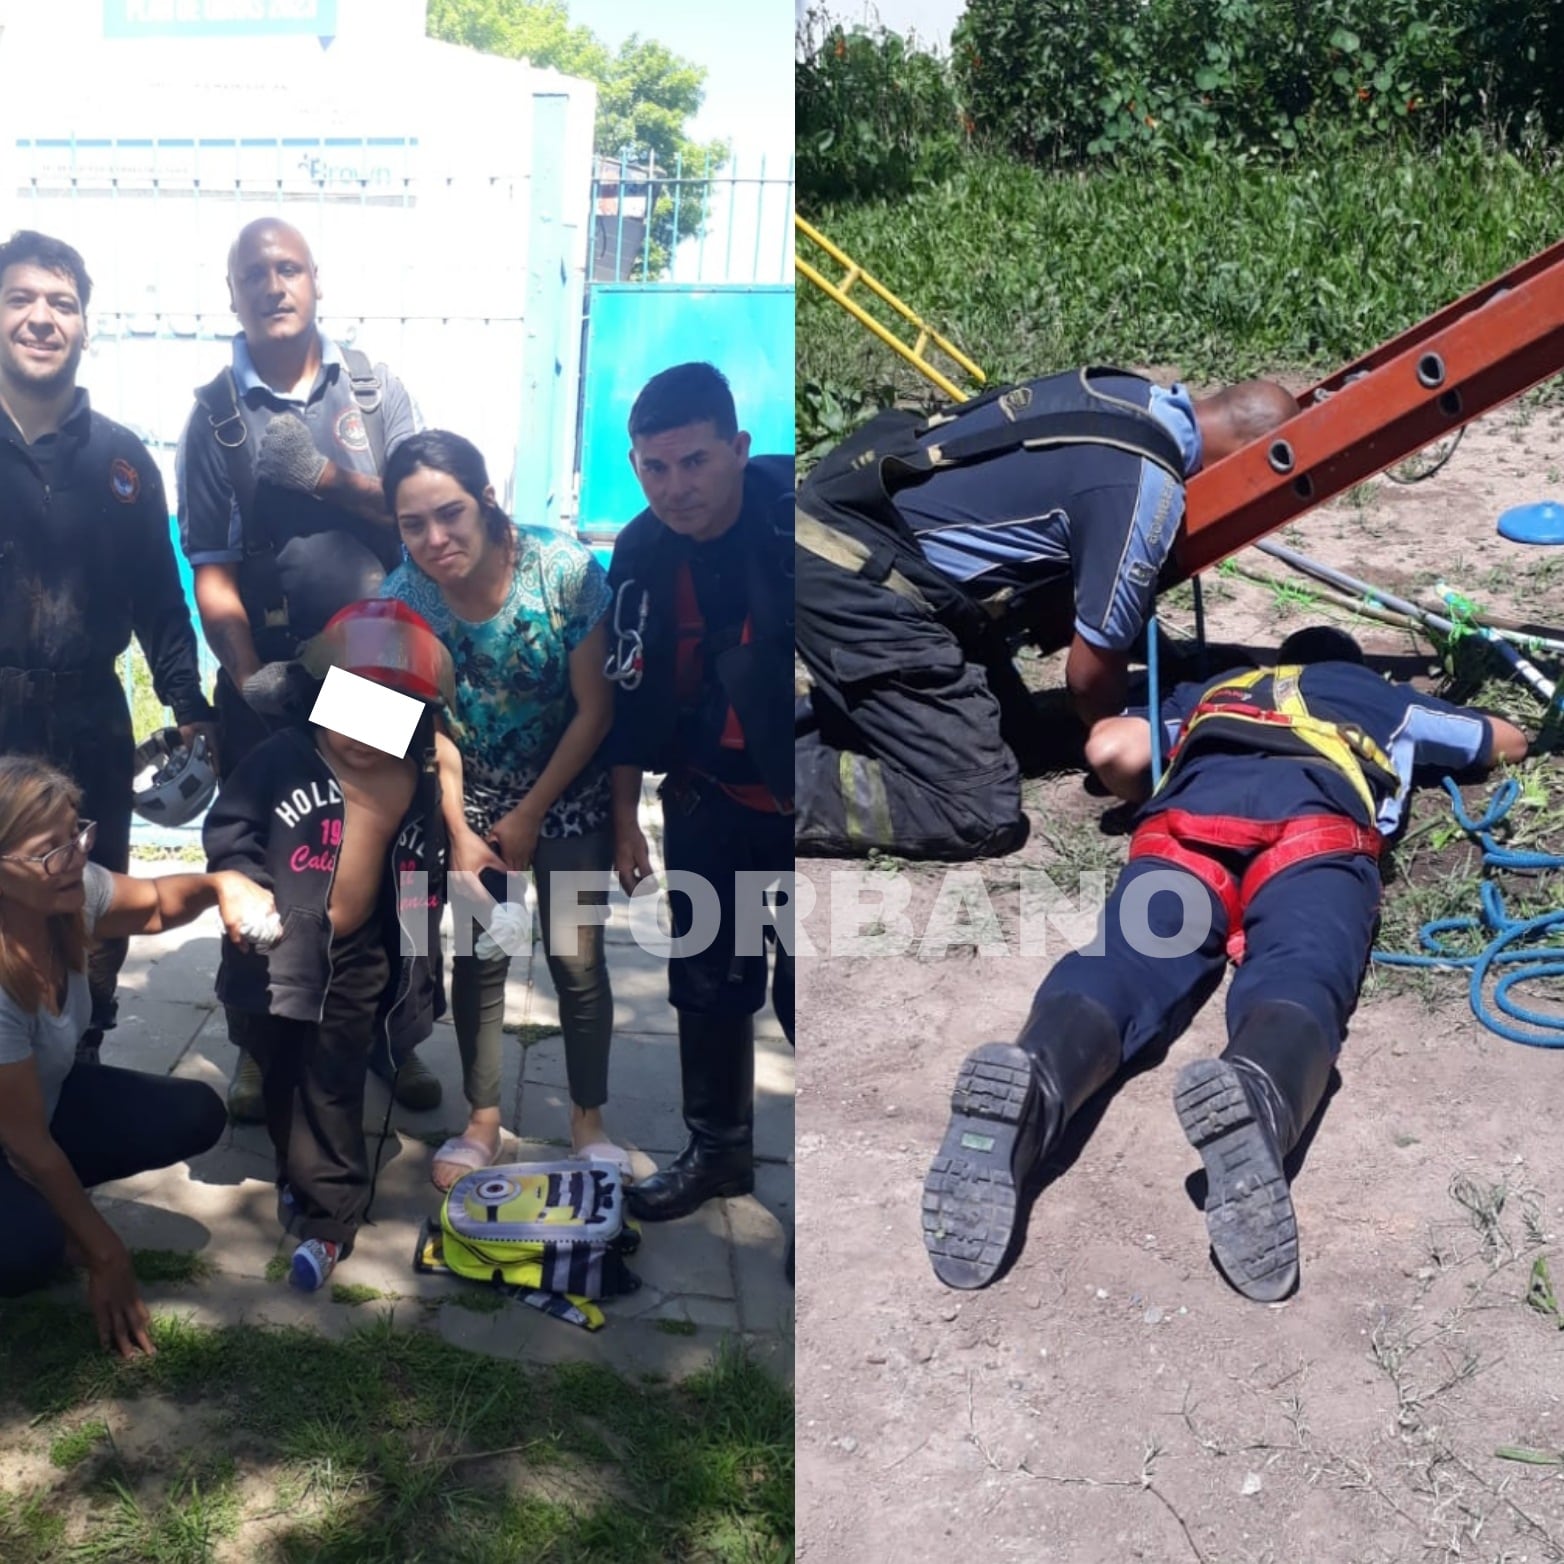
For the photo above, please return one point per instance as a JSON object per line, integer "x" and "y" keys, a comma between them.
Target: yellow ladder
{"x": 926, "y": 333}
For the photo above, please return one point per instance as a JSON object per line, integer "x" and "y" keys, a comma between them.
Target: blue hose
{"x": 1154, "y": 702}
{"x": 1504, "y": 934}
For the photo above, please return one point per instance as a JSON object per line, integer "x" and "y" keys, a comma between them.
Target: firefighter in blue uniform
{"x": 1282, "y": 787}
{"x": 703, "y": 658}
{"x": 926, "y": 550}
{"x": 85, "y": 562}
{"x": 282, "y": 517}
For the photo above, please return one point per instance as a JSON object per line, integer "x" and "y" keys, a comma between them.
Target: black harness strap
{"x": 260, "y": 585}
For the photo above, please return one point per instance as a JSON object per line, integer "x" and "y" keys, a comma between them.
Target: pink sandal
{"x": 466, "y": 1155}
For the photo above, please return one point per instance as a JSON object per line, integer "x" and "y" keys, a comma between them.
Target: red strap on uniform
{"x": 732, "y": 732}
{"x": 1178, "y": 836}
{"x": 691, "y": 626}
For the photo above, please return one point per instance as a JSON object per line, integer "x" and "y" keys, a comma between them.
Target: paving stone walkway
{"x": 716, "y": 1275}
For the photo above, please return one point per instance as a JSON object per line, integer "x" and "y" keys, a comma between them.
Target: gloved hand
{"x": 288, "y": 457}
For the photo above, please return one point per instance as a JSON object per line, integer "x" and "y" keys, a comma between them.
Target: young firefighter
{"x": 1282, "y": 787}
{"x": 340, "y": 832}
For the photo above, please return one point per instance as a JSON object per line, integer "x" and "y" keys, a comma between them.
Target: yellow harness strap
{"x": 1346, "y": 746}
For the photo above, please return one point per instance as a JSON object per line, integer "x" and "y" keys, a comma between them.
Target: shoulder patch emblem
{"x": 350, "y": 431}
{"x": 124, "y": 481}
{"x": 1016, "y": 400}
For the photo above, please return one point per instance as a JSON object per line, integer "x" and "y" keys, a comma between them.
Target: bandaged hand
{"x": 288, "y": 457}
{"x": 249, "y": 914}
{"x": 509, "y": 932}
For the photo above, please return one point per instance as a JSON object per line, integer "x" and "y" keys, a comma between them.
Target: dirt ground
{"x": 1111, "y": 1398}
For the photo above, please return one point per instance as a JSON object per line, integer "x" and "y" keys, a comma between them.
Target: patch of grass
{"x": 75, "y": 1445}
{"x": 529, "y": 1032}
{"x": 277, "y": 1268}
{"x": 171, "y": 1265}
{"x": 185, "y": 1526}
{"x": 355, "y": 1293}
{"x": 404, "y": 1448}
{"x": 30, "y": 1531}
{"x": 1257, "y": 266}
{"x": 477, "y": 1300}
{"x": 190, "y": 854}
{"x": 677, "y": 1327}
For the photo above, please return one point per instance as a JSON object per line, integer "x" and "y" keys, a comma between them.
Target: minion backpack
{"x": 551, "y": 1234}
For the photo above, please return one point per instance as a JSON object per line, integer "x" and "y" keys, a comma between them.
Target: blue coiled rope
{"x": 1505, "y": 934}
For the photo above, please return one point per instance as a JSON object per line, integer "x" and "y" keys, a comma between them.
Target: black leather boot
{"x": 717, "y": 1062}
{"x": 1011, "y": 1104}
{"x": 1243, "y": 1113}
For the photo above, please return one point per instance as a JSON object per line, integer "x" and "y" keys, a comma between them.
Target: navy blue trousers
{"x": 1308, "y": 933}
{"x": 705, "y": 832}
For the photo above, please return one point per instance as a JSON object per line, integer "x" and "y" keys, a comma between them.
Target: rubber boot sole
{"x": 972, "y": 1194}
{"x": 1249, "y": 1210}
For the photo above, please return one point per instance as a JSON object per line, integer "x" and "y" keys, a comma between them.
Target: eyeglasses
{"x": 59, "y": 859}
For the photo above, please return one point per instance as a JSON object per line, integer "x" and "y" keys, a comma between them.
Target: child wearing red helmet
{"x": 348, "y": 838}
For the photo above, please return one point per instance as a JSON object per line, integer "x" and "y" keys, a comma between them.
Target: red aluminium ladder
{"x": 1471, "y": 356}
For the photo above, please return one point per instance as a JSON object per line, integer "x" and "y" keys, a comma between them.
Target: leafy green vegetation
{"x": 1218, "y": 267}
{"x": 1063, "y": 80}
{"x": 647, "y": 94}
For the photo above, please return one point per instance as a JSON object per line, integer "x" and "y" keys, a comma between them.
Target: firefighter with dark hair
{"x": 703, "y": 658}
{"x": 86, "y": 562}
{"x": 927, "y": 548}
{"x": 1260, "y": 847}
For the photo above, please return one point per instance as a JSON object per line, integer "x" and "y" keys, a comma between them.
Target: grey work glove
{"x": 288, "y": 457}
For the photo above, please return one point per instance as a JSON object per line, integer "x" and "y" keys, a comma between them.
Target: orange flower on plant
{"x": 1364, "y": 94}
{"x": 841, "y": 47}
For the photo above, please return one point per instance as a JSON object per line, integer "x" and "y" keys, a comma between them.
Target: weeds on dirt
{"x": 1539, "y": 1294}
{"x": 389, "y": 1445}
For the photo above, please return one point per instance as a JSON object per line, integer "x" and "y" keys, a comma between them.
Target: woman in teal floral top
{"x": 522, "y": 611}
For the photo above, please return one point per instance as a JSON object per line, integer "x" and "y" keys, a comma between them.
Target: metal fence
{"x": 734, "y": 222}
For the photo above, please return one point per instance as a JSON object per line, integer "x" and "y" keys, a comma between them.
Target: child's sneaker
{"x": 313, "y": 1261}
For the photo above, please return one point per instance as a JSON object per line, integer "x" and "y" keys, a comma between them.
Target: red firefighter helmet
{"x": 384, "y": 640}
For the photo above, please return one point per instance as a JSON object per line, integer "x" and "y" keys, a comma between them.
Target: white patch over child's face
{"x": 364, "y": 713}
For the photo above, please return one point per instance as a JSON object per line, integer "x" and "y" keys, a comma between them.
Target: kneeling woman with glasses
{"x": 66, "y": 1126}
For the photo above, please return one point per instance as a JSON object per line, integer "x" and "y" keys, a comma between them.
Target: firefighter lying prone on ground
{"x": 1283, "y": 784}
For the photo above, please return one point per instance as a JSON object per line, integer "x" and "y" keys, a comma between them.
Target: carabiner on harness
{"x": 627, "y": 662}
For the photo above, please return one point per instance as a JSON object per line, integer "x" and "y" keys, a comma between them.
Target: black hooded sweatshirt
{"x": 275, "y": 820}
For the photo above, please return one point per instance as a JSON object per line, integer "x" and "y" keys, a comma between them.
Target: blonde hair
{"x": 33, "y": 796}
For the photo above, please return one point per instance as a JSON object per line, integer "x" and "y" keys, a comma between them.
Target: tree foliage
{"x": 874, "y": 116}
{"x": 1066, "y": 80}
{"x": 646, "y": 96}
